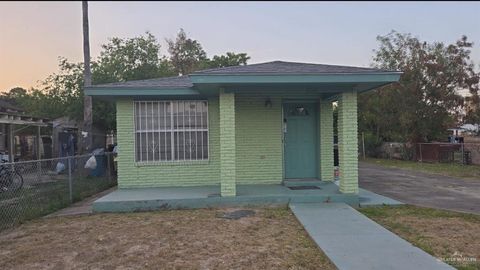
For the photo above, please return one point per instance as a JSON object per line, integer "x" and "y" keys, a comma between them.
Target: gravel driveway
{"x": 422, "y": 189}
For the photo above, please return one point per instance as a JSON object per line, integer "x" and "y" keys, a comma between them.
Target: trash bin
{"x": 100, "y": 169}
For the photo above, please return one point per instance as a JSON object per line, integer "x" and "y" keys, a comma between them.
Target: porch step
{"x": 148, "y": 199}
{"x": 301, "y": 182}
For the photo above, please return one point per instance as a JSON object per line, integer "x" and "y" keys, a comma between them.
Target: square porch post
{"x": 326, "y": 141}
{"x": 348, "y": 142}
{"x": 227, "y": 144}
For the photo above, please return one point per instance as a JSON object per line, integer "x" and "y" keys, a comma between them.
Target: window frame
{"x": 173, "y": 130}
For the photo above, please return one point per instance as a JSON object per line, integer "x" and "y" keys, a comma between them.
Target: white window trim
{"x": 172, "y": 131}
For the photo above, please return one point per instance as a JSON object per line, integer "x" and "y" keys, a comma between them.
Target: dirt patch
{"x": 444, "y": 234}
{"x": 182, "y": 239}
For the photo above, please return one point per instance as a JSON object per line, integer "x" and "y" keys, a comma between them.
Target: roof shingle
{"x": 271, "y": 68}
{"x": 166, "y": 82}
{"x": 280, "y": 67}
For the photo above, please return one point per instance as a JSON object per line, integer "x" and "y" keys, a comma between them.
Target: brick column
{"x": 227, "y": 144}
{"x": 326, "y": 141}
{"x": 348, "y": 142}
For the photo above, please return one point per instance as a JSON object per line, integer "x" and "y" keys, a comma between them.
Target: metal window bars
{"x": 171, "y": 130}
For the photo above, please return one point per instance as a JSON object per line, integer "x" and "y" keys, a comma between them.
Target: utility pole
{"x": 87, "y": 76}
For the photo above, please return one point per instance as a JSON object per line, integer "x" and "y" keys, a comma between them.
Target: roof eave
{"x": 382, "y": 77}
{"x": 139, "y": 91}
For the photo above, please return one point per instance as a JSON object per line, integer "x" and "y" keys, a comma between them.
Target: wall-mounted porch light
{"x": 268, "y": 103}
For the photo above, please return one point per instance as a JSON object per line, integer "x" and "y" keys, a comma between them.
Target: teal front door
{"x": 300, "y": 140}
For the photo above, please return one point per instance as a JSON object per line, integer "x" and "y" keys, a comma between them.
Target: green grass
{"x": 446, "y": 169}
{"x": 440, "y": 233}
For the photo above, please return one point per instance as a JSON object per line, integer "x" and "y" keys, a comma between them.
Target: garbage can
{"x": 100, "y": 169}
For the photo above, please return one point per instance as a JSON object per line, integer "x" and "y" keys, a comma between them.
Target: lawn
{"x": 443, "y": 234}
{"x": 182, "y": 239}
{"x": 446, "y": 169}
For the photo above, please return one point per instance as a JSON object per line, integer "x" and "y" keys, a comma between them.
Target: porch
{"x": 277, "y": 136}
{"x": 145, "y": 199}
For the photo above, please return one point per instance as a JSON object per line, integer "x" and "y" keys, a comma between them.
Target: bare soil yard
{"x": 185, "y": 239}
{"x": 452, "y": 236}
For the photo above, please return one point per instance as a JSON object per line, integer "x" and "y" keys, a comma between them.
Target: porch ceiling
{"x": 327, "y": 88}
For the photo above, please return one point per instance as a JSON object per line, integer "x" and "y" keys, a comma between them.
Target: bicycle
{"x": 10, "y": 179}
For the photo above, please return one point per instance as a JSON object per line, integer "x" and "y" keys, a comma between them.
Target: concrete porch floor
{"x": 145, "y": 199}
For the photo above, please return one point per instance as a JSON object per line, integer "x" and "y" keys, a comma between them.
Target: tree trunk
{"x": 87, "y": 76}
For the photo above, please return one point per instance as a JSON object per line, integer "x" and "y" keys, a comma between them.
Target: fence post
{"x": 70, "y": 188}
{"x": 38, "y": 140}
{"x": 420, "y": 146}
{"x": 39, "y": 170}
{"x": 108, "y": 168}
{"x": 463, "y": 154}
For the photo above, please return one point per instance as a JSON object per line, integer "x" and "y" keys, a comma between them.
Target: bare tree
{"x": 87, "y": 74}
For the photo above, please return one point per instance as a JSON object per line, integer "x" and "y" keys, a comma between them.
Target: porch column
{"x": 38, "y": 141}
{"x": 326, "y": 141}
{"x": 348, "y": 142}
{"x": 227, "y": 144}
{"x": 11, "y": 142}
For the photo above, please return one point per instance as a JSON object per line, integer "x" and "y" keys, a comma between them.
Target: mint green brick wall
{"x": 227, "y": 144}
{"x": 348, "y": 142}
{"x": 258, "y": 140}
{"x": 174, "y": 174}
{"x": 258, "y": 149}
{"x": 326, "y": 141}
{"x": 125, "y": 142}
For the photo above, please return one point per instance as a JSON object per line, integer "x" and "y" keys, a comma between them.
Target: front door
{"x": 300, "y": 140}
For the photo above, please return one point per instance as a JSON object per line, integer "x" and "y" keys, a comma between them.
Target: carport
{"x": 8, "y": 122}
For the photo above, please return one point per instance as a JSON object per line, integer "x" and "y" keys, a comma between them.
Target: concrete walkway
{"x": 82, "y": 207}
{"x": 352, "y": 241}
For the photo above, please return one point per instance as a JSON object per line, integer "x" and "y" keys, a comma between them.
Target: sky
{"x": 33, "y": 35}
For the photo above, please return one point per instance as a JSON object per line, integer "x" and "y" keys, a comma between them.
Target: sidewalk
{"x": 82, "y": 207}
{"x": 352, "y": 241}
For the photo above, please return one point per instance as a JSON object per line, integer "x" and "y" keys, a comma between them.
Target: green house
{"x": 259, "y": 124}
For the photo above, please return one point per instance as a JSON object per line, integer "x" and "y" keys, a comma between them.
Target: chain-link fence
{"x": 31, "y": 189}
{"x": 463, "y": 153}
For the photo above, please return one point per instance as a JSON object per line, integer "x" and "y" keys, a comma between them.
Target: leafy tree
{"x": 137, "y": 58}
{"x": 186, "y": 55}
{"x": 425, "y": 102}
{"x": 15, "y": 94}
{"x": 227, "y": 60}
{"x": 472, "y": 109}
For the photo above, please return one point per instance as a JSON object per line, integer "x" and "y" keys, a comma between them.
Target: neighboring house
{"x": 253, "y": 124}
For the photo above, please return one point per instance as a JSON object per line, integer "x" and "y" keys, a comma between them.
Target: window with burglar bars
{"x": 171, "y": 130}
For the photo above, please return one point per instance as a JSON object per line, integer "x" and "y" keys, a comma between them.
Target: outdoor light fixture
{"x": 268, "y": 103}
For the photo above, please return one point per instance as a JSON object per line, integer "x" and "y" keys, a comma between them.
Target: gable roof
{"x": 281, "y": 67}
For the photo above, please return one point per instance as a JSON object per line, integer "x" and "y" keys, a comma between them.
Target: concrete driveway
{"x": 421, "y": 189}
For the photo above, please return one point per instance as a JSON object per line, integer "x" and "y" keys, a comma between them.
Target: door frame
{"x": 316, "y": 102}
